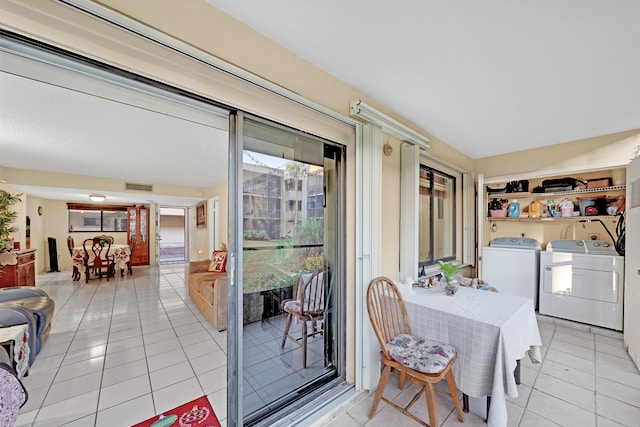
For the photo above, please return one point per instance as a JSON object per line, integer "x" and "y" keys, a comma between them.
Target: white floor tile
{"x": 84, "y": 353}
{"x": 124, "y": 372}
{"x": 80, "y": 368}
{"x": 559, "y": 411}
{"x": 218, "y": 401}
{"x": 565, "y": 391}
{"x": 128, "y": 413}
{"x": 177, "y": 394}
{"x": 213, "y": 380}
{"x": 67, "y": 410}
{"x": 166, "y": 359}
{"x": 123, "y": 391}
{"x": 620, "y": 392}
{"x": 617, "y": 411}
{"x": 126, "y": 356}
{"x": 208, "y": 361}
{"x": 62, "y": 390}
{"x": 169, "y": 375}
{"x": 573, "y": 361}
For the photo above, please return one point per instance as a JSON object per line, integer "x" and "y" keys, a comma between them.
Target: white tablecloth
{"x": 490, "y": 332}
{"x": 122, "y": 256}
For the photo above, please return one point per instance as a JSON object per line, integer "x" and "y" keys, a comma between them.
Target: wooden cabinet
{"x": 138, "y": 217}
{"x": 23, "y": 273}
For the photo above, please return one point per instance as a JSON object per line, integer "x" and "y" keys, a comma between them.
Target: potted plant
{"x": 6, "y": 218}
{"x": 449, "y": 271}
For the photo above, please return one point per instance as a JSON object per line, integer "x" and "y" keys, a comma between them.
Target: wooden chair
{"x": 421, "y": 362}
{"x": 97, "y": 257}
{"x": 70, "y": 245}
{"x": 307, "y": 305}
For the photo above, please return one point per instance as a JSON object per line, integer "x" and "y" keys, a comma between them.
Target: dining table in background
{"x": 121, "y": 252}
{"x": 490, "y": 331}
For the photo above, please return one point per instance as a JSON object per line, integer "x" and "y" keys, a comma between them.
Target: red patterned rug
{"x": 197, "y": 413}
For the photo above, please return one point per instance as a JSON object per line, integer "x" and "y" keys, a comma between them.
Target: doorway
{"x": 172, "y": 234}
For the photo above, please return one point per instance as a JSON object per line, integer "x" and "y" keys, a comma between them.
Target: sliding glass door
{"x": 289, "y": 287}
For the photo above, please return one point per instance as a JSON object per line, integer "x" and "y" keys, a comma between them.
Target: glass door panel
{"x": 290, "y": 222}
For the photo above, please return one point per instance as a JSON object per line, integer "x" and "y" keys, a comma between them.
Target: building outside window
{"x": 437, "y": 223}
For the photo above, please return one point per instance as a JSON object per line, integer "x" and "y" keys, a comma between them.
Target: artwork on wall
{"x": 201, "y": 215}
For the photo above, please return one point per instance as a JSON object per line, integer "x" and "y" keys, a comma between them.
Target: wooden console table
{"x": 19, "y": 271}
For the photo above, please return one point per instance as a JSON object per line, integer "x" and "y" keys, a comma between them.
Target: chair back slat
{"x": 70, "y": 245}
{"x": 99, "y": 247}
{"x": 387, "y": 312}
{"x": 312, "y": 296}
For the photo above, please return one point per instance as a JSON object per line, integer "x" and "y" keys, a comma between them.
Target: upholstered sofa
{"x": 208, "y": 291}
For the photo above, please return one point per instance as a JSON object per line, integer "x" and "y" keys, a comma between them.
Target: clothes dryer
{"x": 511, "y": 265}
{"x": 583, "y": 281}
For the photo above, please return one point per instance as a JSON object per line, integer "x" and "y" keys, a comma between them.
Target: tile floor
{"x": 124, "y": 351}
{"x": 586, "y": 379}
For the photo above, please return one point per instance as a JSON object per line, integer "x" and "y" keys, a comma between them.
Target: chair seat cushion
{"x": 294, "y": 307}
{"x": 416, "y": 353}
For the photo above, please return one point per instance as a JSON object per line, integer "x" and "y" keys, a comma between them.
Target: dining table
{"x": 121, "y": 252}
{"x": 490, "y": 331}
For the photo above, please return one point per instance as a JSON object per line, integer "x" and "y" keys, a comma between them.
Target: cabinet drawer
{"x": 26, "y": 258}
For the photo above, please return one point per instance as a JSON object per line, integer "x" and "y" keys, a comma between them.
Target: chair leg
{"x": 431, "y": 405}
{"x": 129, "y": 268}
{"x": 286, "y": 330}
{"x": 403, "y": 377}
{"x": 87, "y": 273}
{"x": 304, "y": 343}
{"x": 454, "y": 394}
{"x": 382, "y": 384}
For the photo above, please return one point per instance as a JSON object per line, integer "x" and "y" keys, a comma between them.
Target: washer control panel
{"x": 515, "y": 242}
{"x": 594, "y": 247}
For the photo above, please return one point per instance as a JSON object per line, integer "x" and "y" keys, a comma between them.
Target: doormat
{"x": 197, "y": 413}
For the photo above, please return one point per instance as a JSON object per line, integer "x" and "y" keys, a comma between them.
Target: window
{"x": 97, "y": 218}
{"x": 437, "y": 217}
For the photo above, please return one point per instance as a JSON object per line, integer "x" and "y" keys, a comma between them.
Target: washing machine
{"x": 583, "y": 281}
{"x": 511, "y": 265}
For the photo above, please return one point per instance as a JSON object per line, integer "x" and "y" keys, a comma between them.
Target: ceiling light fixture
{"x": 97, "y": 198}
{"x": 389, "y": 125}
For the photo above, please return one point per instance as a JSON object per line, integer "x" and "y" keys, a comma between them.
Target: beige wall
{"x": 602, "y": 152}
{"x": 390, "y": 239}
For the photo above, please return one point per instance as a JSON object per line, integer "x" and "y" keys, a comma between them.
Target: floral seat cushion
{"x": 416, "y": 353}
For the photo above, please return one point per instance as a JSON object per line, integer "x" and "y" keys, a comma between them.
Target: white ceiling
{"x": 44, "y": 127}
{"x": 487, "y": 77}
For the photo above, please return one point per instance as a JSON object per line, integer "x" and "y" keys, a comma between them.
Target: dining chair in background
{"x": 307, "y": 305}
{"x": 97, "y": 257}
{"x": 420, "y": 361}
{"x": 70, "y": 245}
